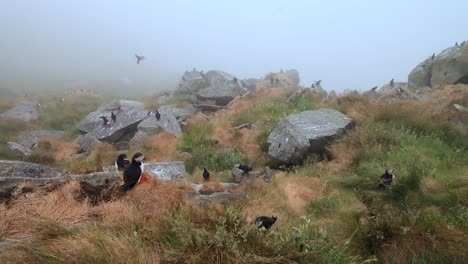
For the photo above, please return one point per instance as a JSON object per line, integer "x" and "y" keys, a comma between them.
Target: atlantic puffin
{"x": 206, "y": 174}
{"x": 122, "y": 162}
{"x": 133, "y": 172}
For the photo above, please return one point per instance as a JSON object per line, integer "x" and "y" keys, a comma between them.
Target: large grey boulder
{"x": 182, "y": 113}
{"x": 448, "y": 67}
{"x": 29, "y": 139}
{"x": 297, "y": 136}
{"x": 293, "y": 75}
{"x": 129, "y": 115}
{"x": 420, "y": 76}
{"x": 86, "y": 142}
{"x": 167, "y": 171}
{"x": 250, "y": 84}
{"x": 26, "y": 112}
{"x": 221, "y": 88}
{"x": 20, "y": 151}
{"x": 124, "y": 109}
{"x": 187, "y": 86}
{"x": 168, "y": 122}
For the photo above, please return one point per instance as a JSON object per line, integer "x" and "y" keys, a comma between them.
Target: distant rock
{"x": 220, "y": 88}
{"x": 29, "y": 139}
{"x": 250, "y": 84}
{"x": 26, "y": 112}
{"x": 297, "y": 136}
{"x": 189, "y": 84}
{"x": 168, "y": 122}
{"x": 129, "y": 115}
{"x": 293, "y": 75}
{"x": 86, "y": 142}
{"x": 167, "y": 171}
{"x": 21, "y": 169}
{"x": 226, "y": 186}
{"x": 448, "y": 67}
{"x": 329, "y": 97}
{"x": 20, "y": 151}
{"x": 163, "y": 97}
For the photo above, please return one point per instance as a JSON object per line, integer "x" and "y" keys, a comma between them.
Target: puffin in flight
{"x": 139, "y": 58}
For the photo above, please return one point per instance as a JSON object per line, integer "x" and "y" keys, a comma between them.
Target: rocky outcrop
{"x": 167, "y": 171}
{"x": 221, "y": 88}
{"x": 297, "y": 136}
{"x": 20, "y": 151}
{"x": 420, "y": 76}
{"x": 189, "y": 84}
{"x": 86, "y": 142}
{"x": 288, "y": 79}
{"x": 26, "y": 112}
{"x": 29, "y": 139}
{"x": 250, "y": 84}
{"x": 13, "y": 173}
{"x": 128, "y": 115}
{"x": 448, "y": 67}
{"x": 167, "y": 122}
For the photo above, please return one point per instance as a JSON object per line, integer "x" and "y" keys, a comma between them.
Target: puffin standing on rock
{"x": 133, "y": 172}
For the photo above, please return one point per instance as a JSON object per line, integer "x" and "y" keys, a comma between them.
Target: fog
{"x": 348, "y": 44}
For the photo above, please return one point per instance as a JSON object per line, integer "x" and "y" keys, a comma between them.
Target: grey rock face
{"x": 188, "y": 84}
{"x": 167, "y": 171}
{"x": 221, "y": 88}
{"x": 138, "y": 139}
{"x": 20, "y": 151}
{"x": 250, "y": 84}
{"x": 128, "y": 115}
{"x": 329, "y": 97}
{"x": 297, "y": 136}
{"x": 420, "y": 76}
{"x": 86, "y": 142}
{"x": 29, "y": 139}
{"x": 22, "y": 169}
{"x": 124, "y": 109}
{"x": 448, "y": 67}
{"x": 293, "y": 75}
{"x": 184, "y": 112}
{"x": 25, "y": 112}
{"x": 167, "y": 122}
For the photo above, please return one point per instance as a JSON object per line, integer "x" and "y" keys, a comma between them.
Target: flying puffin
{"x": 122, "y": 162}
{"x": 206, "y": 174}
{"x": 133, "y": 172}
{"x": 139, "y": 58}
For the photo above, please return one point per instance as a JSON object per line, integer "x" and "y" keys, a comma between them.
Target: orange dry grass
{"x": 101, "y": 156}
{"x": 211, "y": 187}
{"x": 147, "y": 201}
{"x": 55, "y": 149}
{"x": 60, "y": 206}
{"x": 164, "y": 145}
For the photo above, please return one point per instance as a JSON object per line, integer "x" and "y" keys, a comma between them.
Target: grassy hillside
{"x": 328, "y": 212}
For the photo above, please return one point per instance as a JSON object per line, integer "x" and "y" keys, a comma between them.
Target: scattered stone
{"x": 218, "y": 197}
{"x": 460, "y": 108}
{"x": 246, "y": 125}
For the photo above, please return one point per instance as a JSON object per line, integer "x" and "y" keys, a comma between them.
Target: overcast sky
{"x": 349, "y": 44}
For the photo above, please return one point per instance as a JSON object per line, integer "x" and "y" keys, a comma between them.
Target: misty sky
{"x": 349, "y": 44}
